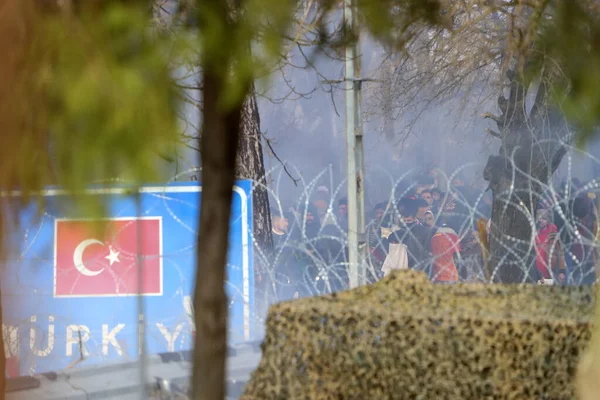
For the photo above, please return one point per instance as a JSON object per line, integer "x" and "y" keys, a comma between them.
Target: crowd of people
{"x": 567, "y": 229}
{"x": 434, "y": 229}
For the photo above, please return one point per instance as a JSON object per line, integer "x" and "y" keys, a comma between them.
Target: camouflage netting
{"x": 407, "y": 338}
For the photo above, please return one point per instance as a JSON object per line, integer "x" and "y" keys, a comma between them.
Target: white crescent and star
{"x": 113, "y": 257}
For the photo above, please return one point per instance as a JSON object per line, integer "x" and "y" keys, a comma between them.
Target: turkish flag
{"x": 88, "y": 264}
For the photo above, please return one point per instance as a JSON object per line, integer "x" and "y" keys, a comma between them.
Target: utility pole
{"x": 354, "y": 143}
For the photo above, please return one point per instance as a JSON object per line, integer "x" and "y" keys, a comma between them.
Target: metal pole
{"x": 360, "y": 187}
{"x": 143, "y": 368}
{"x": 356, "y": 220}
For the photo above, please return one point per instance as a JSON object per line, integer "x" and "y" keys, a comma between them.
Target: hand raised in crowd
{"x": 385, "y": 232}
{"x": 450, "y": 205}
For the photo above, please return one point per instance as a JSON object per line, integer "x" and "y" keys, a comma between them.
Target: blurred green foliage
{"x": 111, "y": 102}
{"x": 392, "y": 22}
{"x": 100, "y": 103}
{"x": 245, "y": 45}
{"x": 571, "y": 44}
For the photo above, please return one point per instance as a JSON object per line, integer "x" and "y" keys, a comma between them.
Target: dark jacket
{"x": 417, "y": 239}
{"x": 279, "y": 240}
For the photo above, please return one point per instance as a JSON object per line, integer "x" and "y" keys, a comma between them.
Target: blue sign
{"x": 72, "y": 288}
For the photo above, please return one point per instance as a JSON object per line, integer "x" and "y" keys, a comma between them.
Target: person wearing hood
{"x": 307, "y": 224}
{"x": 429, "y": 219}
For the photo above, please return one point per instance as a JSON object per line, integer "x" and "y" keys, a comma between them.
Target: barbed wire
{"x": 310, "y": 257}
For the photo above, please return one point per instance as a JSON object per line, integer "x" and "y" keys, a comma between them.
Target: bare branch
{"x": 285, "y": 169}
{"x": 558, "y": 156}
{"x": 491, "y": 116}
{"x": 494, "y": 133}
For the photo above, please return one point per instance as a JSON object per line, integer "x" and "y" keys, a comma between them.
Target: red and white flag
{"x": 88, "y": 264}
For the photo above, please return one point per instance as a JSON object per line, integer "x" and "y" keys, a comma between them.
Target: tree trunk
{"x": 530, "y": 152}
{"x": 18, "y": 21}
{"x": 2, "y": 355}
{"x": 514, "y": 205}
{"x": 250, "y": 165}
{"x": 218, "y": 144}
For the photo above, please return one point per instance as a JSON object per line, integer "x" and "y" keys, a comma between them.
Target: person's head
{"x": 442, "y": 220}
{"x": 581, "y": 207}
{"x": 310, "y": 216}
{"x": 458, "y": 181}
{"x": 279, "y": 221}
{"x": 429, "y": 219}
{"x": 379, "y": 211}
{"x": 436, "y": 195}
{"x": 567, "y": 189}
{"x": 543, "y": 218}
{"x": 408, "y": 208}
{"x": 321, "y": 206}
{"x": 487, "y": 198}
{"x": 424, "y": 183}
{"x": 343, "y": 208}
{"x": 426, "y": 195}
{"x": 307, "y": 214}
{"x": 422, "y": 208}
{"x": 320, "y": 199}
{"x": 322, "y": 193}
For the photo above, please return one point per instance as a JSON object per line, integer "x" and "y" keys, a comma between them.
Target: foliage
{"x": 225, "y": 46}
{"x": 96, "y": 100}
{"x": 571, "y": 39}
{"x": 392, "y": 22}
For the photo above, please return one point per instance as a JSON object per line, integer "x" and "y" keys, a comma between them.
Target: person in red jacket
{"x": 544, "y": 241}
{"x": 445, "y": 247}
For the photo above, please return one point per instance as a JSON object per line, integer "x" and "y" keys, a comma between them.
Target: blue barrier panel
{"x": 70, "y": 291}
